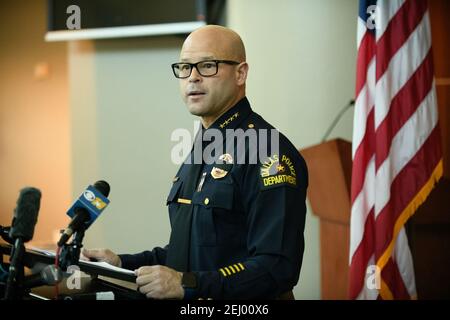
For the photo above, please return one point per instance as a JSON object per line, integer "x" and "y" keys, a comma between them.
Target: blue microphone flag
{"x": 93, "y": 201}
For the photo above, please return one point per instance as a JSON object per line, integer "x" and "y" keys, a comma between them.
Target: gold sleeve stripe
{"x": 223, "y": 272}
{"x": 232, "y": 269}
{"x": 185, "y": 201}
{"x": 235, "y": 268}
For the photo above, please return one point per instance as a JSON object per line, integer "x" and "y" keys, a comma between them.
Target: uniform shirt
{"x": 248, "y": 218}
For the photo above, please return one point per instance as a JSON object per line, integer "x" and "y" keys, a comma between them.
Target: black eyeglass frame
{"x": 194, "y": 65}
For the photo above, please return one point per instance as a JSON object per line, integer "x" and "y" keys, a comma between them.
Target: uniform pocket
{"x": 217, "y": 195}
{"x": 217, "y": 223}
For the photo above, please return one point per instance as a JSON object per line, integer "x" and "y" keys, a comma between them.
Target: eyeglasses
{"x": 207, "y": 68}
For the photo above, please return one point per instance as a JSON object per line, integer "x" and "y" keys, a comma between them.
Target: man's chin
{"x": 196, "y": 110}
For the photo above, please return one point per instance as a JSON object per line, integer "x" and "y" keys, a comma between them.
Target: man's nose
{"x": 195, "y": 76}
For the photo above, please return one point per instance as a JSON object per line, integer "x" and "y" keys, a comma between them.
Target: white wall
{"x": 302, "y": 57}
{"x": 125, "y": 104}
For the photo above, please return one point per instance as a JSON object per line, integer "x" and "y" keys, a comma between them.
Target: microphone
{"x": 86, "y": 209}
{"x": 22, "y": 230}
{"x": 25, "y": 214}
{"x": 48, "y": 276}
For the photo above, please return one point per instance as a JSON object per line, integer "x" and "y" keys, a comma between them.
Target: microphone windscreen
{"x": 25, "y": 214}
{"x": 103, "y": 187}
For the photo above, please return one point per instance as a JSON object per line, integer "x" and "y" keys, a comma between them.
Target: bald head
{"x": 220, "y": 42}
{"x": 211, "y": 95}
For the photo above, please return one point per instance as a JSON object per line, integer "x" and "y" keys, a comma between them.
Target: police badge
{"x": 218, "y": 173}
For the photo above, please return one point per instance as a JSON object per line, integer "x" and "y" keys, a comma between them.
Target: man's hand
{"x": 104, "y": 255}
{"x": 159, "y": 282}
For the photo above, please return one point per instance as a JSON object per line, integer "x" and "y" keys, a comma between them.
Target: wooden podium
{"x": 329, "y": 166}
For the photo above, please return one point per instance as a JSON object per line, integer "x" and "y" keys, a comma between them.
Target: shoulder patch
{"x": 277, "y": 171}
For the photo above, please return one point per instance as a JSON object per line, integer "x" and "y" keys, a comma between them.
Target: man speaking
{"x": 236, "y": 224}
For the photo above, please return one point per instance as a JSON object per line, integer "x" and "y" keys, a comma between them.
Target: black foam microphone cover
{"x": 103, "y": 187}
{"x": 25, "y": 214}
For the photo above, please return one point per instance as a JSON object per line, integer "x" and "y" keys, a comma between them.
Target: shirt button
{"x": 251, "y": 125}
{"x": 206, "y": 201}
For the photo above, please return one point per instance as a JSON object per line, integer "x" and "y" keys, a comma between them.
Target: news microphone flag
{"x": 93, "y": 201}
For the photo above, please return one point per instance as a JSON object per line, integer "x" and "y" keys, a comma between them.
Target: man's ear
{"x": 241, "y": 73}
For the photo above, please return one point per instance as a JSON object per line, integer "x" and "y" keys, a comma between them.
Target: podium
{"x": 94, "y": 279}
{"x": 329, "y": 166}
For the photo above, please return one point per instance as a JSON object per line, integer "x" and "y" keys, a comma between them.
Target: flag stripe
{"x": 401, "y": 68}
{"x": 361, "y": 207}
{"x": 364, "y": 103}
{"x": 393, "y": 280}
{"x": 410, "y": 181}
{"x": 398, "y": 31}
{"x": 403, "y": 106}
{"x": 402, "y": 256}
{"x": 361, "y": 31}
{"x": 362, "y": 256}
{"x": 363, "y": 155}
{"x": 386, "y": 10}
{"x": 365, "y": 56}
{"x": 404, "y": 146}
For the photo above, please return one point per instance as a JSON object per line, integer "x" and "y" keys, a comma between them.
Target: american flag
{"x": 396, "y": 150}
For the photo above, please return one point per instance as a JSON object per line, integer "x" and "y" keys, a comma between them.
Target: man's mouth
{"x": 195, "y": 93}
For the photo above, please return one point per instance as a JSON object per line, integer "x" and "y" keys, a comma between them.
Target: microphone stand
{"x": 14, "y": 285}
{"x": 70, "y": 253}
{"x": 4, "y": 234}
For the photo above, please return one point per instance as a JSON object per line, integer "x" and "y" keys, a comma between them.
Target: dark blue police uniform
{"x": 247, "y": 219}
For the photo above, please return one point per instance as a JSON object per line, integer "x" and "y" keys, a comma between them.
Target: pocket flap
{"x": 220, "y": 195}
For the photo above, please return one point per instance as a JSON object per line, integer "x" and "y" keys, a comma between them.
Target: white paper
{"x": 49, "y": 253}
{"x": 104, "y": 265}
{"x": 108, "y": 266}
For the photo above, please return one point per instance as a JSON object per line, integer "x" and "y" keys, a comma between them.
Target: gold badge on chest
{"x": 222, "y": 166}
{"x": 218, "y": 173}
